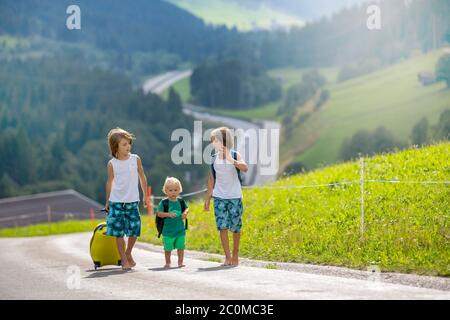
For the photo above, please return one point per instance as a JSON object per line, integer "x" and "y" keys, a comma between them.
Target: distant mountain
{"x": 304, "y": 9}
{"x": 243, "y": 16}
{"x": 265, "y": 14}
{"x": 139, "y": 25}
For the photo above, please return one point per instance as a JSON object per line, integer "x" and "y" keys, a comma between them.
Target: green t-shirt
{"x": 173, "y": 227}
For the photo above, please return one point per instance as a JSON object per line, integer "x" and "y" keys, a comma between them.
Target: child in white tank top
{"x": 125, "y": 172}
{"x": 225, "y": 187}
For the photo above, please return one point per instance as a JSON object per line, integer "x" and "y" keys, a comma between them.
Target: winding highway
{"x": 257, "y": 173}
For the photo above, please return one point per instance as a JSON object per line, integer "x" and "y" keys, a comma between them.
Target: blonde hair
{"x": 114, "y": 137}
{"x": 172, "y": 181}
{"x": 224, "y": 135}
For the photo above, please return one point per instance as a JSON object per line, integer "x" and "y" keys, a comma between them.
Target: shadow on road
{"x": 218, "y": 268}
{"x": 106, "y": 273}
{"x": 163, "y": 269}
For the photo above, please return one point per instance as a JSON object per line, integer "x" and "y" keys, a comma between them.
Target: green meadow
{"x": 183, "y": 89}
{"x": 391, "y": 97}
{"x": 407, "y": 226}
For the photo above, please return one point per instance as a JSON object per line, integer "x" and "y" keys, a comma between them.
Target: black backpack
{"x": 160, "y": 221}
{"x": 234, "y": 155}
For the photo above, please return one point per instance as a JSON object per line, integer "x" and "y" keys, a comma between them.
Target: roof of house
{"x": 35, "y": 208}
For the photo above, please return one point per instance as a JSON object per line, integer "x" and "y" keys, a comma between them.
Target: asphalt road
{"x": 60, "y": 267}
{"x": 161, "y": 82}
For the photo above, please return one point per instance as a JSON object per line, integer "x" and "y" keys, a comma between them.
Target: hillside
{"x": 407, "y": 226}
{"x": 391, "y": 97}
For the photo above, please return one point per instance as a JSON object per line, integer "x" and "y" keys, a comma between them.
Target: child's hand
{"x": 185, "y": 213}
{"x": 171, "y": 214}
{"x": 107, "y": 207}
{"x": 144, "y": 201}
{"x": 206, "y": 205}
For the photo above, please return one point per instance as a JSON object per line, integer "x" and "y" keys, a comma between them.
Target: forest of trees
{"x": 234, "y": 84}
{"x": 128, "y": 32}
{"x": 297, "y": 96}
{"x": 364, "y": 142}
{"x": 138, "y": 40}
{"x": 144, "y": 26}
{"x": 300, "y": 92}
{"x": 54, "y": 118}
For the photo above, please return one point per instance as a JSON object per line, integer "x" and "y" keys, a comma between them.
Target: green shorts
{"x": 171, "y": 243}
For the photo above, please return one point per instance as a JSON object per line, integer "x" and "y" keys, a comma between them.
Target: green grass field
{"x": 407, "y": 226}
{"x": 231, "y": 14}
{"x": 182, "y": 87}
{"x": 391, "y": 97}
{"x": 44, "y": 229}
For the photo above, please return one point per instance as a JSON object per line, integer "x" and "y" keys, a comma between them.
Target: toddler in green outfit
{"x": 173, "y": 232}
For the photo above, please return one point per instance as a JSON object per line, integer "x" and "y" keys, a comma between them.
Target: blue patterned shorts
{"x": 228, "y": 214}
{"x": 123, "y": 219}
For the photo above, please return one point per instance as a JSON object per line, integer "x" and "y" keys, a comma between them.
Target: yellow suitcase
{"x": 104, "y": 248}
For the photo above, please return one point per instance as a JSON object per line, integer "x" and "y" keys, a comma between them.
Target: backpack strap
{"x": 234, "y": 155}
{"x": 165, "y": 203}
{"x": 183, "y": 207}
{"x": 160, "y": 220}
{"x": 213, "y": 171}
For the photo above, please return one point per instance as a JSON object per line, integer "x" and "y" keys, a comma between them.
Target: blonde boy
{"x": 174, "y": 231}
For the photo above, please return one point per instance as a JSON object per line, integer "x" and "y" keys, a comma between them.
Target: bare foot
{"x": 131, "y": 260}
{"x": 181, "y": 265}
{"x": 227, "y": 262}
{"x": 234, "y": 261}
{"x": 166, "y": 266}
{"x": 125, "y": 265}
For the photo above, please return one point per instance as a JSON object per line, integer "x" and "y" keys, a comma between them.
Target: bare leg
{"x": 236, "y": 240}
{"x": 180, "y": 258}
{"x": 131, "y": 242}
{"x": 226, "y": 246}
{"x": 167, "y": 255}
{"x": 121, "y": 247}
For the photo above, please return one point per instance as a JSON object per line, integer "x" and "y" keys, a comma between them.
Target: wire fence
{"x": 48, "y": 216}
{"x": 362, "y": 181}
{"x": 151, "y": 211}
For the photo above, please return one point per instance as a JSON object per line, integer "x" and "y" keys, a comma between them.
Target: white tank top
{"x": 125, "y": 185}
{"x": 227, "y": 184}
